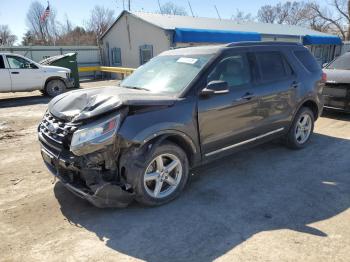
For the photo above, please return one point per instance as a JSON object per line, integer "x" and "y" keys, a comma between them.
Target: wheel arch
{"x": 53, "y": 78}
{"x": 178, "y": 138}
{"x": 312, "y": 105}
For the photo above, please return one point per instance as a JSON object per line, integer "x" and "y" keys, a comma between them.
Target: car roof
{"x": 213, "y": 49}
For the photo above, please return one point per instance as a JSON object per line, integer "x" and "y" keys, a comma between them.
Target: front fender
{"x": 177, "y": 120}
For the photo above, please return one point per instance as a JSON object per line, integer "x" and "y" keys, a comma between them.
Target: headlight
{"x": 96, "y": 134}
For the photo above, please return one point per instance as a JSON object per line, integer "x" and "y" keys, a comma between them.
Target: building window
{"x": 146, "y": 53}
{"x": 116, "y": 57}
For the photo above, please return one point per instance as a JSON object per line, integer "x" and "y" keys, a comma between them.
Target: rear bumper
{"x": 337, "y": 97}
{"x": 103, "y": 194}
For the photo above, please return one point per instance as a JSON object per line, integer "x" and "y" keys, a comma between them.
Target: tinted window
{"x": 306, "y": 58}
{"x": 272, "y": 66}
{"x": 2, "y": 65}
{"x": 233, "y": 69}
{"x": 342, "y": 63}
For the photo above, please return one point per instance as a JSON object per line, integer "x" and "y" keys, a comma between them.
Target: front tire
{"x": 301, "y": 130}
{"x": 55, "y": 87}
{"x": 163, "y": 176}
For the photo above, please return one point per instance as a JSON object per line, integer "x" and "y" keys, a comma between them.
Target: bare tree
{"x": 6, "y": 37}
{"x": 172, "y": 9}
{"x": 241, "y": 17}
{"x": 340, "y": 19}
{"x": 291, "y": 13}
{"x": 267, "y": 14}
{"x": 100, "y": 20}
{"x": 77, "y": 36}
{"x": 44, "y": 31}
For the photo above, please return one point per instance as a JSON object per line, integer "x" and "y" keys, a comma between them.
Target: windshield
{"x": 342, "y": 62}
{"x": 166, "y": 74}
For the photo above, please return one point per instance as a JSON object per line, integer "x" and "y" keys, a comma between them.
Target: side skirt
{"x": 244, "y": 142}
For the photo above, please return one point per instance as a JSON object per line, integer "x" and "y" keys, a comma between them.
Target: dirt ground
{"x": 264, "y": 204}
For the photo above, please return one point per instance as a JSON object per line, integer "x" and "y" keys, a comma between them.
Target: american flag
{"x": 45, "y": 14}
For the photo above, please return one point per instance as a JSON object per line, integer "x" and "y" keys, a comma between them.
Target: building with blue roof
{"x": 135, "y": 37}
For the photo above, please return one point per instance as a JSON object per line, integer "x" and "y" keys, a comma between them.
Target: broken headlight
{"x": 92, "y": 135}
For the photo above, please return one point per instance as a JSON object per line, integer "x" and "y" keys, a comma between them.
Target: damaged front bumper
{"x": 70, "y": 82}
{"x": 87, "y": 183}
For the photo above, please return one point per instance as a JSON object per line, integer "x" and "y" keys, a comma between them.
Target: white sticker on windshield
{"x": 187, "y": 60}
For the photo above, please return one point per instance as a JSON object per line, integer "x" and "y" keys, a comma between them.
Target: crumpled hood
{"x": 82, "y": 104}
{"x": 337, "y": 76}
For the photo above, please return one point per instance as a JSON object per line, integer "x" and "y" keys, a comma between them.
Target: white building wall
{"x": 128, "y": 34}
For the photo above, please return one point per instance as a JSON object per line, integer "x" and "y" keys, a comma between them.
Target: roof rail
{"x": 274, "y": 43}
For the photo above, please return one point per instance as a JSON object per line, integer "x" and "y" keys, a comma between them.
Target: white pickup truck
{"x": 18, "y": 74}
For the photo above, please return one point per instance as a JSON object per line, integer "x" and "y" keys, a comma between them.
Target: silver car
{"x": 337, "y": 89}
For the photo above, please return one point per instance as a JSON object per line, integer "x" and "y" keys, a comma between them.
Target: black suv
{"x": 183, "y": 108}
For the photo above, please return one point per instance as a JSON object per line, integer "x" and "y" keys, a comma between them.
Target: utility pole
{"x": 189, "y": 4}
{"x": 129, "y": 5}
{"x": 160, "y": 7}
{"x": 217, "y": 12}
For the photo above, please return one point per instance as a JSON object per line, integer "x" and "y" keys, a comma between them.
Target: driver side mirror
{"x": 216, "y": 87}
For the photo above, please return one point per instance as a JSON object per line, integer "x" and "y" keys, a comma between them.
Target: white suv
{"x": 18, "y": 73}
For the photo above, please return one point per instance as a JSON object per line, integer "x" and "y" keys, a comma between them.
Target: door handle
{"x": 15, "y": 73}
{"x": 247, "y": 96}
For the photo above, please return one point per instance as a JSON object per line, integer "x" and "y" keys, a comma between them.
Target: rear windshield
{"x": 2, "y": 65}
{"x": 306, "y": 58}
{"x": 342, "y": 63}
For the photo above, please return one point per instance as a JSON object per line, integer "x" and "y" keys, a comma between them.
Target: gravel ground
{"x": 263, "y": 204}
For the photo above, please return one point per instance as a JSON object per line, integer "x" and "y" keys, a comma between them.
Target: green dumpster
{"x": 68, "y": 61}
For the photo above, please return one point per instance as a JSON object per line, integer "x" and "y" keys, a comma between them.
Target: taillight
{"x": 324, "y": 77}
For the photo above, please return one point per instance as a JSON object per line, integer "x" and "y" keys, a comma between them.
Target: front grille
{"x": 55, "y": 132}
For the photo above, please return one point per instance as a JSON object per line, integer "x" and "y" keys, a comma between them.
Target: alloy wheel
{"x": 303, "y": 128}
{"x": 163, "y": 176}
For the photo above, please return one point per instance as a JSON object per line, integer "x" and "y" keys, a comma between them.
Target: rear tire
{"x": 163, "y": 175}
{"x": 301, "y": 130}
{"x": 55, "y": 87}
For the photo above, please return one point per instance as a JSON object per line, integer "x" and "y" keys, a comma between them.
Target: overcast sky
{"x": 13, "y": 12}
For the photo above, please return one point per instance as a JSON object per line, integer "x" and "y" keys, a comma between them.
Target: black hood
{"x": 82, "y": 104}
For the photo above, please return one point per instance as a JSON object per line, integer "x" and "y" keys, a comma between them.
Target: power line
{"x": 160, "y": 7}
{"x": 189, "y": 6}
{"x": 217, "y": 12}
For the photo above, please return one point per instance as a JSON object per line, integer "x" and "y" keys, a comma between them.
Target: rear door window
{"x": 2, "y": 64}
{"x": 307, "y": 59}
{"x": 272, "y": 66}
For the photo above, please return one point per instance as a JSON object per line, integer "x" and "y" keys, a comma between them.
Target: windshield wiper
{"x": 136, "y": 87}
